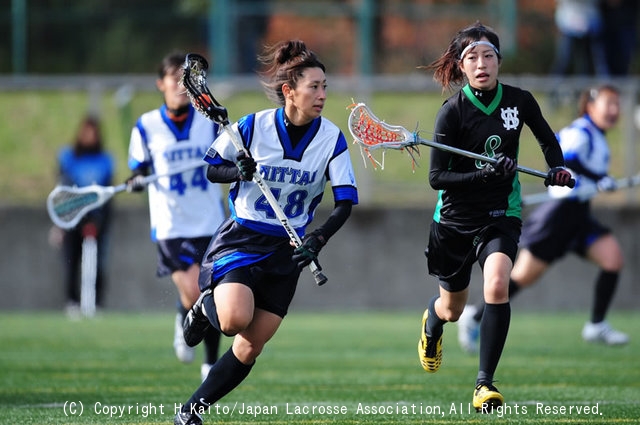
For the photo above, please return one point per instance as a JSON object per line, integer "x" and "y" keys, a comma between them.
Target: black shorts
{"x": 558, "y": 227}
{"x": 452, "y": 251}
{"x": 180, "y": 253}
{"x": 261, "y": 262}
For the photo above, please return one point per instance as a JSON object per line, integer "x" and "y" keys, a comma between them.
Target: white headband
{"x": 478, "y": 43}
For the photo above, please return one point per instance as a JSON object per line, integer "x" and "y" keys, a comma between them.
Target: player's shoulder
{"x": 149, "y": 117}
{"x": 328, "y": 125}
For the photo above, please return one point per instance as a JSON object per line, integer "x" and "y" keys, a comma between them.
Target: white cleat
{"x": 204, "y": 370}
{"x": 603, "y": 332}
{"x": 468, "y": 330}
{"x": 184, "y": 353}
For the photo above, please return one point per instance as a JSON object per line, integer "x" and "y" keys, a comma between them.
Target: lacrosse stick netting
{"x": 371, "y": 133}
{"x": 67, "y": 205}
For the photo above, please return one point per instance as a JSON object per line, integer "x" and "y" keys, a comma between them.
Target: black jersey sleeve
{"x": 542, "y": 131}
{"x": 446, "y": 130}
{"x": 225, "y": 172}
{"x": 339, "y": 215}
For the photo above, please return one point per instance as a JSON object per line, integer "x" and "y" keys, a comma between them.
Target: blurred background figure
{"x": 185, "y": 209}
{"x": 580, "y": 46}
{"x": 620, "y": 19}
{"x": 83, "y": 163}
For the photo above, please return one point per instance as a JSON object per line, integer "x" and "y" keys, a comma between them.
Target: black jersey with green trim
{"x": 487, "y": 123}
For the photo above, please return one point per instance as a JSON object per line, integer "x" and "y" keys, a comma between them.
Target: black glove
{"x": 246, "y": 167}
{"x": 312, "y": 243}
{"x": 607, "y": 184}
{"x": 505, "y": 165}
{"x": 558, "y": 176}
{"x": 504, "y": 168}
{"x": 135, "y": 183}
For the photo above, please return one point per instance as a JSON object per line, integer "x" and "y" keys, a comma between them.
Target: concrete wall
{"x": 375, "y": 262}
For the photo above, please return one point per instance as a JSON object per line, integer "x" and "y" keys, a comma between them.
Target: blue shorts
{"x": 180, "y": 254}
{"x": 558, "y": 227}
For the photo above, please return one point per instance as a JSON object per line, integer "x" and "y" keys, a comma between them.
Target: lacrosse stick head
{"x": 194, "y": 80}
{"x": 67, "y": 205}
{"x": 371, "y": 133}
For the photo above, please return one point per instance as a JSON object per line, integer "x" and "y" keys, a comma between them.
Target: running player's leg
{"x": 234, "y": 366}
{"x": 606, "y": 253}
{"x": 72, "y": 250}
{"x": 527, "y": 270}
{"x": 186, "y": 281}
{"x": 443, "y": 308}
{"x": 496, "y": 260}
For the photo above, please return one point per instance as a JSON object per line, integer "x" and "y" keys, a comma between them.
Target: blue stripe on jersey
{"x": 179, "y": 133}
{"x": 245, "y": 128}
{"x": 345, "y": 193}
{"x": 232, "y": 261}
{"x": 313, "y": 205}
{"x": 216, "y": 159}
{"x": 134, "y": 164}
{"x": 341, "y": 145}
{"x": 265, "y": 228}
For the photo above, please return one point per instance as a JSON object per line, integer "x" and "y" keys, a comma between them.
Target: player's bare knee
{"x": 233, "y": 325}
{"x": 452, "y": 313}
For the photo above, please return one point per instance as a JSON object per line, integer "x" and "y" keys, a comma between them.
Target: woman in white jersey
{"x": 185, "y": 209}
{"x": 250, "y": 273}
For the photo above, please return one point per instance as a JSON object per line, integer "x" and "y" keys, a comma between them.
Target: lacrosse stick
{"x": 194, "y": 80}
{"x": 371, "y": 133}
{"x": 581, "y": 192}
{"x": 67, "y": 205}
{"x": 89, "y": 272}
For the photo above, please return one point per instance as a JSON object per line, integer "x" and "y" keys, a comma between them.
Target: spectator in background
{"x": 620, "y": 18}
{"x": 580, "y": 44}
{"x": 81, "y": 164}
{"x": 251, "y": 30}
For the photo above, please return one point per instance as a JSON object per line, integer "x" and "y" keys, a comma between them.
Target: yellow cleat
{"x": 429, "y": 351}
{"x": 486, "y": 397}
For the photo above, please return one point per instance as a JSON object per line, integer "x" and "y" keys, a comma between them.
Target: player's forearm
{"x": 338, "y": 217}
{"x": 222, "y": 173}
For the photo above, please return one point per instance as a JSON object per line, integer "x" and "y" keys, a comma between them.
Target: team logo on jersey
{"x": 490, "y": 145}
{"x": 510, "y": 118}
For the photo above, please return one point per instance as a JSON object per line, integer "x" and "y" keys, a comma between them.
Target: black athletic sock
{"x": 211, "y": 345}
{"x": 434, "y": 323}
{"x": 606, "y": 285}
{"x": 494, "y": 328}
{"x": 226, "y": 374}
{"x": 514, "y": 288}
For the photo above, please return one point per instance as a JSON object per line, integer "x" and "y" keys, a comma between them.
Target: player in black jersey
{"x": 477, "y": 217}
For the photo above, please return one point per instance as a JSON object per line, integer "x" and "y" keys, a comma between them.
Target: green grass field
{"x": 51, "y": 367}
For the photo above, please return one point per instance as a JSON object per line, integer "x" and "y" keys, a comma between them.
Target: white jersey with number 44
{"x": 186, "y": 204}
